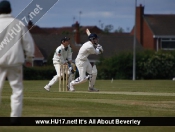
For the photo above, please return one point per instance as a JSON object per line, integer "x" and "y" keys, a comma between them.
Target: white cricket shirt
{"x": 61, "y": 54}
{"x": 86, "y": 49}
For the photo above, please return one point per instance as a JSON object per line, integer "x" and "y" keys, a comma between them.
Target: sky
{"x": 119, "y": 13}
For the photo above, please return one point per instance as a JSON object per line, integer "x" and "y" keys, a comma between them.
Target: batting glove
{"x": 71, "y": 70}
{"x": 100, "y": 48}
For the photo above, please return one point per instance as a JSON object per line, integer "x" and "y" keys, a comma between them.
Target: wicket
{"x": 63, "y": 79}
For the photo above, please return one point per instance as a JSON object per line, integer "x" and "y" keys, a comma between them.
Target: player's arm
{"x": 96, "y": 51}
{"x": 71, "y": 69}
{"x": 69, "y": 55}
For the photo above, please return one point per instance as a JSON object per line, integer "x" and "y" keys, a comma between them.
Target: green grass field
{"x": 122, "y": 98}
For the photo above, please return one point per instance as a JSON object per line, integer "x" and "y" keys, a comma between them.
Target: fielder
{"x": 83, "y": 64}
{"x": 62, "y": 56}
{"x": 11, "y": 62}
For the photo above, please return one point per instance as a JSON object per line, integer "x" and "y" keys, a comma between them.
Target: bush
{"x": 159, "y": 66}
{"x": 115, "y": 67}
{"x": 149, "y": 65}
{"x": 39, "y": 73}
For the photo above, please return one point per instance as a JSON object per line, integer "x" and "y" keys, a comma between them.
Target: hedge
{"x": 39, "y": 73}
{"x": 149, "y": 65}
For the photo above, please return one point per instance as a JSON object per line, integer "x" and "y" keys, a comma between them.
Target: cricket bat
{"x": 88, "y": 32}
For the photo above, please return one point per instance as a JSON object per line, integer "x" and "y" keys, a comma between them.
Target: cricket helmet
{"x": 65, "y": 39}
{"x": 92, "y": 36}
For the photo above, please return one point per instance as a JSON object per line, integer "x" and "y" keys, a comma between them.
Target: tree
{"x": 108, "y": 28}
{"x": 119, "y": 30}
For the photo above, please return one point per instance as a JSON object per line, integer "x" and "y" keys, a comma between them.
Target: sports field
{"x": 120, "y": 98}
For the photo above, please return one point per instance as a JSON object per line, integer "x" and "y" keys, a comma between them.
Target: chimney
{"x": 139, "y": 23}
{"x": 30, "y": 24}
{"x": 77, "y": 32}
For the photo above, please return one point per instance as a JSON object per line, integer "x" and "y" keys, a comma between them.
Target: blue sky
{"x": 119, "y": 13}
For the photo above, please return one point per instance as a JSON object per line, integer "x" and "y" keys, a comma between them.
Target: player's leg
{"x": 15, "y": 77}
{"x": 81, "y": 66}
{"x": 70, "y": 79}
{"x": 71, "y": 75}
{"x": 92, "y": 77}
{"x": 55, "y": 78}
{"x": 3, "y": 73}
{"x": 74, "y": 68}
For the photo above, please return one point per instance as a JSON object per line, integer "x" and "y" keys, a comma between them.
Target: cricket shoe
{"x": 47, "y": 87}
{"x": 71, "y": 88}
{"x": 93, "y": 90}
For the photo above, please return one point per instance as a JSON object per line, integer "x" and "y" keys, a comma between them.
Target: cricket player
{"x": 62, "y": 56}
{"x": 19, "y": 45}
{"x": 83, "y": 64}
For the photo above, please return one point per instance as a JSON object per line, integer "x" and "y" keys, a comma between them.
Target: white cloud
{"x": 104, "y": 14}
{"x": 115, "y": 12}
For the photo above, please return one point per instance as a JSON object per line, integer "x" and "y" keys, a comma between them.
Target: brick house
{"x": 48, "y": 39}
{"x": 155, "y": 31}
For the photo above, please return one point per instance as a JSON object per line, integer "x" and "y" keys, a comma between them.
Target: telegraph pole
{"x": 134, "y": 46}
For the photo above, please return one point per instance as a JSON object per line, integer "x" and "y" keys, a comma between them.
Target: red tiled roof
{"x": 112, "y": 44}
{"x": 62, "y": 30}
{"x": 36, "y": 30}
{"x": 47, "y": 44}
{"x": 38, "y": 54}
{"x": 161, "y": 24}
{"x": 93, "y": 29}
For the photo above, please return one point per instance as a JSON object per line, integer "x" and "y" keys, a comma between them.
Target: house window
{"x": 168, "y": 44}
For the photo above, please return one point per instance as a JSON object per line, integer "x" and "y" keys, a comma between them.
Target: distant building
{"x": 155, "y": 31}
{"x": 48, "y": 39}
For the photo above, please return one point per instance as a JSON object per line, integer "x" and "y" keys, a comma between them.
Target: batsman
{"x": 62, "y": 56}
{"x": 83, "y": 64}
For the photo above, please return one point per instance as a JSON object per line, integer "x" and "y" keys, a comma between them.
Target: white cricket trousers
{"x": 56, "y": 77}
{"x": 83, "y": 67}
{"x": 15, "y": 77}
